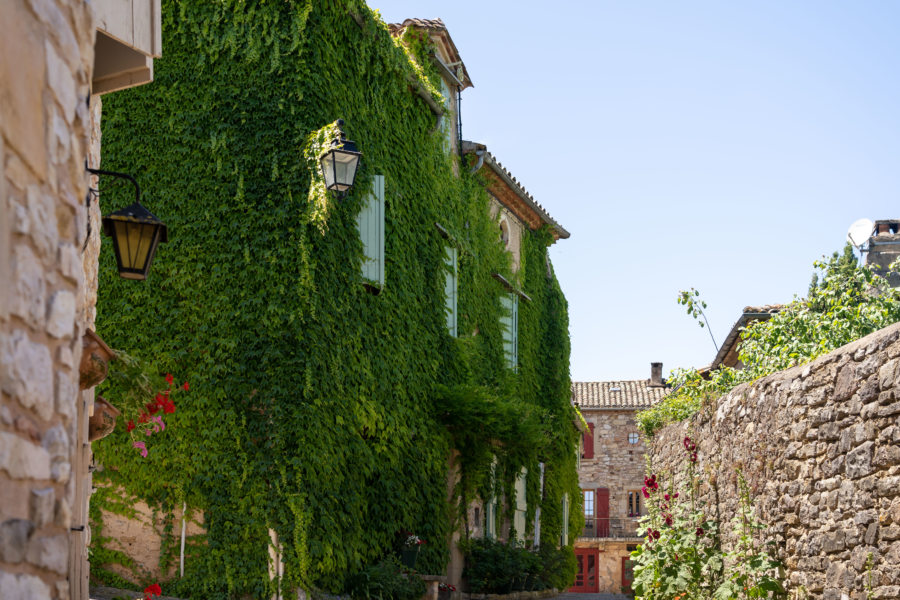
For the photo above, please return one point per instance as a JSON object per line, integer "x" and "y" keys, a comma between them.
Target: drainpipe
{"x": 480, "y": 155}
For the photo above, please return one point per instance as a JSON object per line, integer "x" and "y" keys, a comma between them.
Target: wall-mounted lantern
{"x": 135, "y": 233}
{"x": 339, "y": 163}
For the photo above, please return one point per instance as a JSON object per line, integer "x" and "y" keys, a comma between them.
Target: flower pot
{"x": 408, "y": 557}
{"x": 95, "y": 357}
{"x": 103, "y": 421}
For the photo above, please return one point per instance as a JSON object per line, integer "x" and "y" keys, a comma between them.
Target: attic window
{"x": 615, "y": 388}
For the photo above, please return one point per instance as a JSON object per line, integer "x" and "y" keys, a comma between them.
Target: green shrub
{"x": 493, "y": 567}
{"x": 387, "y": 580}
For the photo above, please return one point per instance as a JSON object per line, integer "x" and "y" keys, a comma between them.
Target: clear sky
{"x": 719, "y": 145}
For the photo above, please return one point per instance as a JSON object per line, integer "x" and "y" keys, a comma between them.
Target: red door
{"x": 601, "y": 506}
{"x": 586, "y": 581}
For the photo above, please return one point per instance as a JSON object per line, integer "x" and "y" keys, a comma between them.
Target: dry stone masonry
{"x": 819, "y": 446}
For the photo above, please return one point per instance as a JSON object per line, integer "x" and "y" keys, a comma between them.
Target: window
{"x": 634, "y": 503}
{"x": 590, "y": 527}
{"x": 564, "y": 536}
{"x": 509, "y": 319}
{"x": 450, "y": 288}
{"x": 588, "y": 442}
{"x": 633, "y": 438}
{"x": 490, "y": 507}
{"x": 370, "y": 222}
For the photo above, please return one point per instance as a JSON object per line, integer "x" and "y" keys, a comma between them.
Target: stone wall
{"x": 819, "y": 446}
{"x": 46, "y": 56}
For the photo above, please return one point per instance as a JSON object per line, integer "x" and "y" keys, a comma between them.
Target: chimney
{"x": 656, "y": 374}
{"x": 884, "y": 248}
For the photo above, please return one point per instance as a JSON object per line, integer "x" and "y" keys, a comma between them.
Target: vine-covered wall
{"x": 317, "y": 408}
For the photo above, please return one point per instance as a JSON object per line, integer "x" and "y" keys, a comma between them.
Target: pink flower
{"x": 645, "y": 492}
{"x": 158, "y": 423}
{"x": 666, "y": 496}
{"x": 142, "y": 448}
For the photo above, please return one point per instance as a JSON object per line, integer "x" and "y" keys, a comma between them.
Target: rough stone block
{"x": 63, "y": 516}
{"x": 29, "y": 286}
{"x": 859, "y": 461}
{"x": 887, "y": 374}
{"x": 66, "y": 395}
{"x": 23, "y": 587}
{"x": 22, "y": 459}
{"x": 61, "y": 81}
{"x": 26, "y": 371}
{"x": 49, "y": 552}
{"x": 22, "y": 74}
{"x": 14, "y": 536}
{"x": 61, "y": 315}
{"x": 60, "y": 471}
{"x": 70, "y": 262}
{"x": 846, "y": 383}
{"x": 42, "y": 217}
{"x": 42, "y": 506}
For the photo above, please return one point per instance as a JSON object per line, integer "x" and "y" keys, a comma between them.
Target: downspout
{"x": 480, "y": 155}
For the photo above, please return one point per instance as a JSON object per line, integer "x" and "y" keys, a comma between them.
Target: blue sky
{"x": 719, "y": 145}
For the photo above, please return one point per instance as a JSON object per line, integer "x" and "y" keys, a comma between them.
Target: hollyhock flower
{"x": 699, "y": 532}
{"x": 675, "y": 495}
{"x": 693, "y": 457}
{"x": 655, "y": 534}
{"x": 666, "y": 496}
{"x": 669, "y": 520}
{"x": 142, "y": 448}
{"x": 645, "y": 492}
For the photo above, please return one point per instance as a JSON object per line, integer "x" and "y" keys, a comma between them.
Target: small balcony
{"x": 613, "y": 528}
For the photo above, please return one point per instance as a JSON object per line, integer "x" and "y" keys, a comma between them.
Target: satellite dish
{"x": 859, "y": 232}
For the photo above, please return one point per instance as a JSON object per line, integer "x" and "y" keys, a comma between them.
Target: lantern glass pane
{"x": 134, "y": 242}
{"x": 344, "y": 169}
{"x": 328, "y": 169}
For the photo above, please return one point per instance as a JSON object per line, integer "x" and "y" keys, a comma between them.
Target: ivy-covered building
{"x": 393, "y": 359}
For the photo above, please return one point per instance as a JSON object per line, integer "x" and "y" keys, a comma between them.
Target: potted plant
{"x": 409, "y": 550}
{"x": 95, "y": 358}
{"x": 103, "y": 421}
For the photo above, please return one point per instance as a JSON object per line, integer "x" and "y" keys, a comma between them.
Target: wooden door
{"x": 601, "y": 510}
{"x": 586, "y": 580}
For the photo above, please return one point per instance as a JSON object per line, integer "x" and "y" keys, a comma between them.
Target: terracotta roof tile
{"x": 617, "y": 394}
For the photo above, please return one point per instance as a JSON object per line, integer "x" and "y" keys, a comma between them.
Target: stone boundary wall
{"x": 819, "y": 446}
{"x": 46, "y": 60}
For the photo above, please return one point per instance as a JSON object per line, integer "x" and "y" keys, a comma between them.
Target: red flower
{"x": 645, "y": 492}
{"x": 168, "y": 407}
{"x": 144, "y": 418}
{"x": 152, "y": 407}
{"x": 130, "y": 425}
{"x": 186, "y": 386}
{"x": 169, "y": 378}
{"x": 668, "y": 520}
{"x": 699, "y": 532}
{"x": 152, "y": 590}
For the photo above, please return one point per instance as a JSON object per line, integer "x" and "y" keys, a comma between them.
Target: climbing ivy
{"x": 316, "y": 407}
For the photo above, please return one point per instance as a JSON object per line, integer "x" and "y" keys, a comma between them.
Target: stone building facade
{"x": 49, "y": 131}
{"x": 819, "y": 447}
{"x": 611, "y": 475}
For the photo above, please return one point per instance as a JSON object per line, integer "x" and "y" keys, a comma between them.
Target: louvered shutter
{"x": 589, "y": 441}
{"x": 450, "y": 288}
{"x": 509, "y": 319}
{"x": 370, "y": 222}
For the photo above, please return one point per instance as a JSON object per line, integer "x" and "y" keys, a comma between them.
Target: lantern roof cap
{"x": 135, "y": 213}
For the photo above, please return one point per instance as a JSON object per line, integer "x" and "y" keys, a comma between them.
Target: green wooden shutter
{"x": 509, "y": 319}
{"x": 450, "y": 288}
{"x": 565, "y": 520}
{"x": 370, "y": 222}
